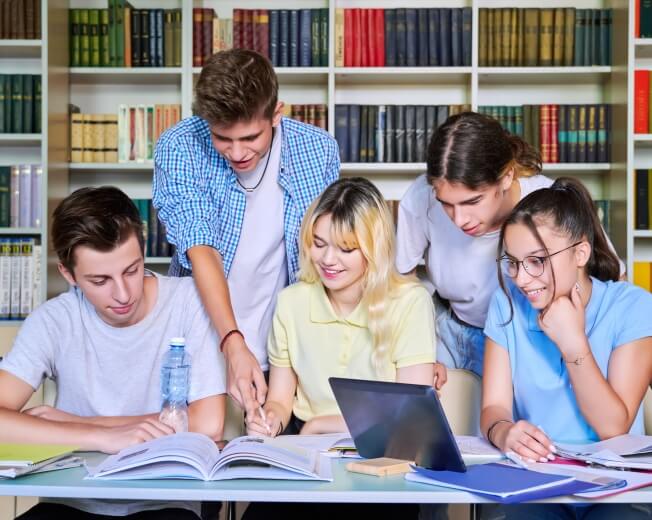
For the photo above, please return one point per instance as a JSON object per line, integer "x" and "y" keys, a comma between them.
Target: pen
{"x": 261, "y": 412}
{"x": 516, "y": 460}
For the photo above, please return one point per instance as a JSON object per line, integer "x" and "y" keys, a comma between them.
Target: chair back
{"x": 647, "y": 411}
{"x": 461, "y": 399}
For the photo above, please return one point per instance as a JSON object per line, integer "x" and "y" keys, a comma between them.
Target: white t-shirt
{"x": 115, "y": 371}
{"x": 461, "y": 268}
{"x": 259, "y": 269}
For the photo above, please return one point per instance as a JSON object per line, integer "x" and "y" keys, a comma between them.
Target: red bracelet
{"x": 227, "y": 335}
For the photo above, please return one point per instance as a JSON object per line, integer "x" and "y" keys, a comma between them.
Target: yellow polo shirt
{"x": 310, "y": 338}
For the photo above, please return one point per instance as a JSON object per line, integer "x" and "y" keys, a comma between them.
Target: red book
{"x": 207, "y": 33}
{"x": 238, "y": 19}
{"x": 248, "y": 29}
{"x": 348, "y": 37}
{"x": 379, "y": 31}
{"x": 544, "y": 133}
{"x": 262, "y": 32}
{"x": 196, "y": 37}
{"x": 364, "y": 38}
{"x": 256, "y": 41}
{"x": 357, "y": 38}
{"x": 641, "y": 101}
{"x": 554, "y": 133}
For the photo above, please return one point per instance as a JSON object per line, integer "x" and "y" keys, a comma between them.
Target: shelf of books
{"x": 640, "y": 143}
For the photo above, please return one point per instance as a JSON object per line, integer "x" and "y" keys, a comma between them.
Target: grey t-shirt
{"x": 111, "y": 371}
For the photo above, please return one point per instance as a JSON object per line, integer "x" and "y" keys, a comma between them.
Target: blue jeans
{"x": 459, "y": 345}
{"x": 565, "y": 512}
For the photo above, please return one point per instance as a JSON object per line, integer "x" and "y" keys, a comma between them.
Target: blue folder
{"x": 494, "y": 480}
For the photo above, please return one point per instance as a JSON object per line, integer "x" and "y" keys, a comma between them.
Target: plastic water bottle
{"x": 175, "y": 382}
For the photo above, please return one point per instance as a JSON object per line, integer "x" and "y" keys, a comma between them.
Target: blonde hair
{"x": 360, "y": 219}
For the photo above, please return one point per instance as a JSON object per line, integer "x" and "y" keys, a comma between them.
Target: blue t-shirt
{"x": 617, "y": 313}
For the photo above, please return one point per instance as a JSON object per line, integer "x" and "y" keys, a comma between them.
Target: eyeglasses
{"x": 533, "y": 265}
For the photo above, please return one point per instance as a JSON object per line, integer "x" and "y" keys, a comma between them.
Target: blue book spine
{"x": 580, "y": 28}
{"x": 456, "y": 37}
{"x": 305, "y": 38}
{"x": 390, "y": 134}
{"x": 411, "y": 37}
{"x": 284, "y": 38}
{"x": 294, "y": 38}
{"x": 354, "y": 133}
{"x": 433, "y": 37}
{"x": 467, "y": 27}
{"x": 274, "y": 36}
{"x": 588, "y": 38}
{"x": 562, "y": 133}
{"x": 159, "y": 37}
{"x": 401, "y": 38}
{"x": 342, "y": 131}
{"x": 445, "y": 37}
{"x": 390, "y": 38}
{"x": 399, "y": 129}
{"x": 422, "y": 47}
{"x": 153, "y": 48}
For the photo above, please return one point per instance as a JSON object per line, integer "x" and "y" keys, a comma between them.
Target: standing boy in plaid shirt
{"x": 231, "y": 185}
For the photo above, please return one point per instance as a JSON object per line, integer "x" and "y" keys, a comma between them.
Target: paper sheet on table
{"x": 477, "y": 448}
{"x": 332, "y": 444}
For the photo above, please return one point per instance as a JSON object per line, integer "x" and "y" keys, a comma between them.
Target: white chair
{"x": 461, "y": 399}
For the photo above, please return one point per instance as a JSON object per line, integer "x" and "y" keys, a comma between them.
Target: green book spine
{"x": 38, "y": 116}
{"x": 84, "y": 38}
{"x": 143, "y": 210}
{"x": 17, "y": 103}
{"x": 168, "y": 39}
{"x": 491, "y": 35}
{"x": 536, "y": 127}
{"x": 580, "y": 28}
{"x": 94, "y": 35}
{"x": 558, "y": 32}
{"x": 484, "y": 37}
{"x": 569, "y": 36}
{"x": 3, "y": 95}
{"x": 5, "y": 183}
{"x": 505, "y": 37}
{"x": 546, "y": 33}
{"x": 323, "y": 37}
{"x": 8, "y": 104}
{"x": 518, "y": 121}
{"x": 112, "y": 34}
{"x": 603, "y": 140}
{"x": 28, "y": 105}
{"x": 527, "y": 124}
{"x": 315, "y": 40}
{"x": 176, "y": 30}
{"x": 105, "y": 45}
{"x": 75, "y": 41}
{"x": 119, "y": 33}
{"x": 531, "y": 58}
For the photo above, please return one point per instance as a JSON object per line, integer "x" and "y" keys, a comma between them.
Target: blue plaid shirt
{"x": 198, "y": 199}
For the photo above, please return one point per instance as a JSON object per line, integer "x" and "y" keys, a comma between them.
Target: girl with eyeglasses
{"x": 568, "y": 354}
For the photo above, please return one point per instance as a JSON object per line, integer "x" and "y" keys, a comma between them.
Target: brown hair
{"x": 99, "y": 218}
{"x": 236, "y": 85}
{"x": 567, "y": 205}
{"x": 475, "y": 150}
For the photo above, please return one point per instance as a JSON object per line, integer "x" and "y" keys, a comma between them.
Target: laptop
{"x": 397, "y": 420}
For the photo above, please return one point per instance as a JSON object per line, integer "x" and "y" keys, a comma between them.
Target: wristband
{"x": 490, "y": 429}
{"x": 227, "y": 336}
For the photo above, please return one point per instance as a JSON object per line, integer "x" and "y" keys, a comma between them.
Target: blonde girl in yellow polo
{"x": 350, "y": 315}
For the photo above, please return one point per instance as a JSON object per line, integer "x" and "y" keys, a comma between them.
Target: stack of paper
{"x": 625, "y": 451}
{"x": 21, "y": 459}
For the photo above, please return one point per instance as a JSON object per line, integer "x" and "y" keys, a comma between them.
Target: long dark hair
{"x": 475, "y": 150}
{"x": 568, "y": 206}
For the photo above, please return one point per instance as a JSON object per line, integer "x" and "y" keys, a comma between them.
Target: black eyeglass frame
{"x": 540, "y": 259}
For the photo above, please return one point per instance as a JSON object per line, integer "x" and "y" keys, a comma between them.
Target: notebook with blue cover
{"x": 502, "y": 483}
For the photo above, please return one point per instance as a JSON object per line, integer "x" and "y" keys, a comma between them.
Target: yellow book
{"x": 339, "y": 37}
{"x": 27, "y": 454}
{"x": 87, "y": 132}
{"x": 76, "y": 137}
{"x": 643, "y": 275}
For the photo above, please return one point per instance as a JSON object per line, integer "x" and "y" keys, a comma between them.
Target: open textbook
{"x": 624, "y": 451}
{"x": 196, "y": 456}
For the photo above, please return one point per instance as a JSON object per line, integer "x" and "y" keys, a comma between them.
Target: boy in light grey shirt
{"x": 103, "y": 342}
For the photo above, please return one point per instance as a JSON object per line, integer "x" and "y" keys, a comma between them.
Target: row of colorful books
{"x": 20, "y": 20}
{"x": 643, "y": 275}
{"x": 563, "y": 133}
{"x": 20, "y": 195}
{"x": 154, "y": 235}
{"x": 546, "y": 37}
{"x": 642, "y": 119}
{"x": 388, "y": 133}
{"x": 20, "y": 277}
{"x": 20, "y": 104}
{"x": 427, "y": 37}
{"x": 288, "y": 37}
{"x": 122, "y": 36}
{"x": 315, "y": 114}
{"x": 643, "y": 199}
{"x": 127, "y": 136}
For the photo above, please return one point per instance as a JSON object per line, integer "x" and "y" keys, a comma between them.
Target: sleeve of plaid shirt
{"x": 181, "y": 196}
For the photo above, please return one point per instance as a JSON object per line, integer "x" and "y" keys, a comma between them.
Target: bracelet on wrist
{"x": 491, "y": 428}
{"x": 228, "y": 335}
{"x": 578, "y": 360}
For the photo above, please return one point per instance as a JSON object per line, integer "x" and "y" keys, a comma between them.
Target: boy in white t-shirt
{"x": 102, "y": 342}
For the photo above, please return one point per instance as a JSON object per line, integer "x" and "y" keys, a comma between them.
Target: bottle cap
{"x": 178, "y": 342}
